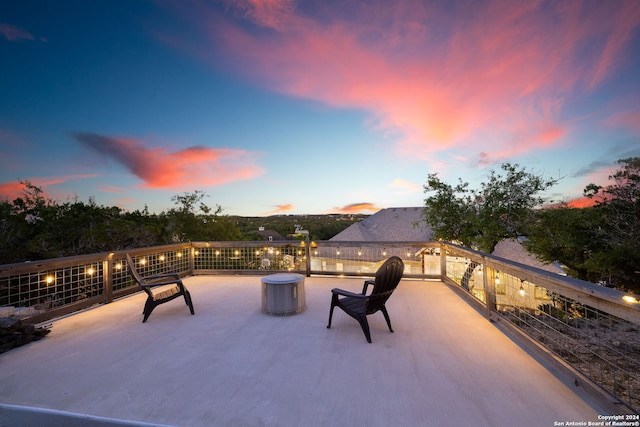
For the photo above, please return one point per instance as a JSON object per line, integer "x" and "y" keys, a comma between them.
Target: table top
{"x": 282, "y": 278}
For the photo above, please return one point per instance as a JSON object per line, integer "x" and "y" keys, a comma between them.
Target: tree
{"x": 480, "y": 218}
{"x": 573, "y": 236}
{"x": 22, "y": 221}
{"x": 195, "y": 220}
{"x": 34, "y": 227}
{"x": 619, "y": 206}
{"x": 500, "y": 209}
{"x": 599, "y": 244}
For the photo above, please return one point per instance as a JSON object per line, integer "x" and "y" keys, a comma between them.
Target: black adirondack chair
{"x": 160, "y": 288}
{"x": 359, "y": 306}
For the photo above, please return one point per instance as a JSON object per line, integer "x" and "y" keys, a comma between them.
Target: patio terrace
{"x": 232, "y": 365}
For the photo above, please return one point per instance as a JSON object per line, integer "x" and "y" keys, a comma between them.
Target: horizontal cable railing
{"x": 593, "y": 329}
{"x": 586, "y": 326}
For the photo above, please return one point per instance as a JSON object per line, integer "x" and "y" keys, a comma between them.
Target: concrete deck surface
{"x": 232, "y": 365}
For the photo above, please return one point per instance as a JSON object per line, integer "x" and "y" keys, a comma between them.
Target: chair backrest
{"x": 133, "y": 271}
{"x": 387, "y": 278}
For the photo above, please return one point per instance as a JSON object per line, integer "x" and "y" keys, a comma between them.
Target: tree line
{"x": 34, "y": 227}
{"x": 600, "y": 243}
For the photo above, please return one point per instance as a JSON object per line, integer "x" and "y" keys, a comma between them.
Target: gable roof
{"x": 514, "y": 250}
{"x": 388, "y": 225}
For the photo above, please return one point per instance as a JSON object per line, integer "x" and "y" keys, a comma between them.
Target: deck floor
{"x": 232, "y": 365}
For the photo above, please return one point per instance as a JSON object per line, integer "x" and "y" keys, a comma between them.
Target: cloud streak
{"x": 13, "y": 33}
{"x": 356, "y": 208}
{"x": 161, "y": 168}
{"x": 280, "y": 209}
{"x": 488, "y": 77}
{"x": 14, "y": 189}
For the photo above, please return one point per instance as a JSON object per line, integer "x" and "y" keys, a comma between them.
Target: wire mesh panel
{"x": 468, "y": 274}
{"x": 122, "y": 279}
{"x": 603, "y": 347}
{"x": 250, "y": 257}
{"x": 172, "y": 261}
{"x": 359, "y": 258}
{"x": 39, "y": 291}
{"x": 148, "y": 263}
{"x": 45, "y": 289}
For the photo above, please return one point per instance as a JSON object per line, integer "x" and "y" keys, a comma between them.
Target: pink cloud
{"x": 11, "y": 190}
{"x": 620, "y": 22}
{"x": 125, "y": 202}
{"x": 273, "y": 14}
{"x": 357, "y": 208}
{"x": 582, "y": 202}
{"x": 160, "y": 168}
{"x": 13, "y": 33}
{"x": 280, "y": 209}
{"x": 14, "y": 189}
{"x": 488, "y": 76}
{"x": 112, "y": 189}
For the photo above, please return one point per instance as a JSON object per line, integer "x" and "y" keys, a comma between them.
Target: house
{"x": 388, "y": 225}
{"x": 514, "y": 250}
{"x": 269, "y": 235}
{"x": 408, "y": 225}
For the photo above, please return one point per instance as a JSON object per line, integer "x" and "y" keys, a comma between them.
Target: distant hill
{"x": 320, "y": 226}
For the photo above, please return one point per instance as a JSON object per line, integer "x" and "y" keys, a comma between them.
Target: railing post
{"x": 107, "y": 280}
{"x": 192, "y": 258}
{"x": 307, "y": 255}
{"x": 489, "y": 289}
{"x": 443, "y": 261}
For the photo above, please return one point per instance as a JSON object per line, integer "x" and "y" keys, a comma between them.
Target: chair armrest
{"x": 366, "y": 285}
{"x": 162, "y": 275}
{"x": 161, "y": 279}
{"x": 344, "y": 293}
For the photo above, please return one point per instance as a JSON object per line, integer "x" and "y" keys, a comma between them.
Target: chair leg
{"x": 148, "y": 308}
{"x": 187, "y": 299}
{"x": 330, "y": 316}
{"x": 386, "y": 316}
{"x": 364, "y": 324}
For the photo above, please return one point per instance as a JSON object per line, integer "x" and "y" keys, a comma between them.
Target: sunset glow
{"x": 284, "y": 106}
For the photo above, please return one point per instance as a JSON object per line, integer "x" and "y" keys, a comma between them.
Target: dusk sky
{"x": 311, "y": 106}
